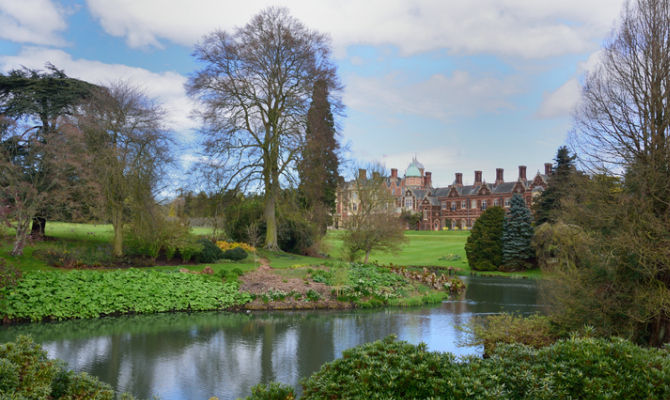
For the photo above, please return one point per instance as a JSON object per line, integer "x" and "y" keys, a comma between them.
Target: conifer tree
{"x": 319, "y": 165}
{"x": 559, "y": 185}
{"x": 484, "y": 245}
{"x": 517, "y": 252}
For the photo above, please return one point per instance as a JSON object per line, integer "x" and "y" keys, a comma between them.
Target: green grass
{"x": 423, "y": 248}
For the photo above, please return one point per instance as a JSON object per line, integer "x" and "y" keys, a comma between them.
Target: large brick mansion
{"x": 456, "y": 205}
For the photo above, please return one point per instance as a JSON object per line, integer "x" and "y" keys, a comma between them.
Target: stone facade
{"x": 454, "y": 206}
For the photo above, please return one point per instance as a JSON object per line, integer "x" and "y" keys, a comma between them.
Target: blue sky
{"x": 463, "y": 85}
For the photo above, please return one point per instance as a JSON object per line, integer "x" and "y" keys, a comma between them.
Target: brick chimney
{"x": 428, "y": 179}
{"x": 499, "y": 176}
{"x": 362, "y": 174}
{"x": 421, "y": 171}
{"x": 394, "y": 172}
{"x": 522, "y": 172}
{"x": 375, "y": 175}
{"x": 459, "y": 179}
{"x": 547, "y": 168}
{"x": 478, "y": 177}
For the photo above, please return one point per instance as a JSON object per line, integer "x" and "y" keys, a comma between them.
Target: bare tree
{"x": 374, "y": 223}
{"x": 255, "y": 88}
{"x": 125, "y": 134}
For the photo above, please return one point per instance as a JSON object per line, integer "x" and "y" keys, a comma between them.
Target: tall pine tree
{"x": 319, "y": 165}
{"x": 559, "y": 185}
{"x": 517, "y": 252}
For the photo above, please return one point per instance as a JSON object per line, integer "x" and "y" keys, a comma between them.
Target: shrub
{"x": 223, "y": 245}
{"x": 568, "y": 369}
{"x": 209, "y": 253}
{"x": 273, "y": 391}
{"x": 484, "y": 245}
{"x": 235, "y": 254}
{"x": 295, "y": 234}
{"x": 27, "y": 373}
{"x": 534, "y": 331}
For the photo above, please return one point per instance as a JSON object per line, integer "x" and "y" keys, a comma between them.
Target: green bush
{"x": 9, "y": 274}
{"x": 569, "y": 369}
{"x": 535, "y": 331}
{"x": 27, "y": 373}
{"x": 235, "y": 254}
{"x": 210, "y": 252}
{"x": 484, "y": 245}
{"x": 273, "y": 391}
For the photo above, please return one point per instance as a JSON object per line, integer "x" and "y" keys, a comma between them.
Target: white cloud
{"x": 32, "y": 21}
{"x": 562, "y": 101}
{"x": 520, "y": 28}
{"x": 440, "y": 96}
{"x": 166, "y": 87}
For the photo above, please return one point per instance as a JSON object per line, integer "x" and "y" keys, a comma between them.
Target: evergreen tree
{"x": 484, "y": 245}
{"x": 517, "y": 252}
{"x": 559, "y": 185}
{"x": 319, "y": 165}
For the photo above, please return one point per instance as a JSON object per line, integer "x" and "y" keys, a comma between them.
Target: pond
{"x": 199, "y": 355}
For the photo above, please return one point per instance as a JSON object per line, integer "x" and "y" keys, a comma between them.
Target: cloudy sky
{"x": 461, "y": 84}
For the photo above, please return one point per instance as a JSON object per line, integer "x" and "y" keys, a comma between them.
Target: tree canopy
{"x": 255, "y": 88}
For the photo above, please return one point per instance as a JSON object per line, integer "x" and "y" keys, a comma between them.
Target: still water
{"x": 196, "y": 356}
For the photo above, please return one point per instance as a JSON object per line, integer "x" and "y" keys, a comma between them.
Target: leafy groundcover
{"x": 88, "y": 294}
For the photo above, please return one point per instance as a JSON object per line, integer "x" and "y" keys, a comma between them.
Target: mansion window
{"x": 453, "y": 206}
{"x": 425, "y": 214}
{"x": 507, "y": 202}
{"x": 473, "y": 204}
{"x": 408, "y": 202}
{"x": 444, "y": 205}
{"x": 464, "y": 204}
{"x": 483, "y": 205}
{"x": 496, "y": 202}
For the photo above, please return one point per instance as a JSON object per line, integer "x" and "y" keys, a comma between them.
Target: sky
{"x": 463, "y": 85}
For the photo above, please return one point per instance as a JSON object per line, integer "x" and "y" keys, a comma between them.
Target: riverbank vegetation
{"x": 583, "y": 368}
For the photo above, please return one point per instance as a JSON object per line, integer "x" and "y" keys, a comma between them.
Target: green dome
{"x": 414, "y": 168}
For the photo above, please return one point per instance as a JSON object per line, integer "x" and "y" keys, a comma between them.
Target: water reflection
{"x": 195, "y": 356}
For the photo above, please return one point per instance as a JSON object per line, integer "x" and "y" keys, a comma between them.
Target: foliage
{"x": 210, "y": 252}
{"x": 235, "y": 254}
{"x": 89, "y": 294}
{"x": 411, "y": 218}
{"x": 255, "y": 87}
{"x": 484, "y": 245}
{"x": 40, "y": 100}
{"x": 295, "y": 234}
{"x": 273, "y": 391}
{"x": 568, "y": 369}
{"x": 9, "y": 274}
{"x": 560, "y": 184}
{"x": 223, "y": 245}
{"x": 620, "y": 283}
{"x": 318, "y": 166}
{"x": 517, "y": 252}
{"x": 27, "y": 373}
{"x": 535, "y": 331}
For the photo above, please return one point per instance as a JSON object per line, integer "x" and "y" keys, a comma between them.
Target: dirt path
{"x": 263, "y": 280}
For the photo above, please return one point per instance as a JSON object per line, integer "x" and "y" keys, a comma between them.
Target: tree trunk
{"x": 117, "y": 223}
{"x": 367, "y": 256}
{"x": 270, "y": 222}
{"x": 37, "y": 230}
{"x": 21, "y": 236}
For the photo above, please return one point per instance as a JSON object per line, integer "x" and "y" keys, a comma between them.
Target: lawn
{"x": 422, "y": 248}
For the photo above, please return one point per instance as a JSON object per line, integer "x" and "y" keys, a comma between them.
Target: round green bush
{"x": 235, "y": 254}
{"x": 210, "y": 252}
